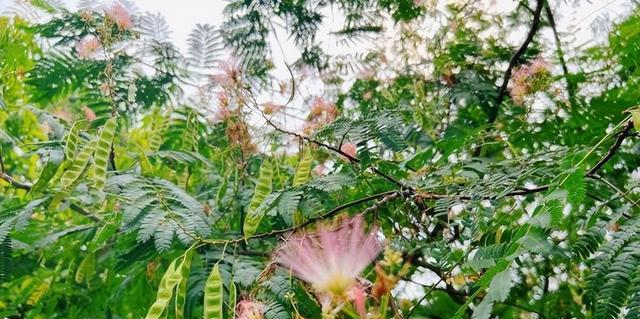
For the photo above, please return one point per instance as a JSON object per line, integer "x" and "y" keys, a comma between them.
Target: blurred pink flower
{"x": 105, "y": 89}
{"x": 231, "y": 75}
{"x": 320, "y": 114}
{"x": 87, "y": 47}
{"x": 223, "y": 99}
{"x": 320, "y": 170}
{"x": 349, "y": 149}
{"x": 331, "y": 259}
{"x": 89, "y": 114}
{"x": 119, "y": 14}
{"x": 524, "y": 78}
{"x": 223, "y": 113}
{"x": 539, "y": 65}
{"x": 248, "y": 309}
{"x": 270, "y": 108}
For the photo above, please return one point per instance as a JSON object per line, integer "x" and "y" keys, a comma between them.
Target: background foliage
{"x": 143, "y": 169}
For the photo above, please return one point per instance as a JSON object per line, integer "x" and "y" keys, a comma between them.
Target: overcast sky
{"x": 183, "y": 15}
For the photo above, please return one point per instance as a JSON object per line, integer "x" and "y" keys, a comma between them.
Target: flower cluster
{"x": 248, "y": 309}
{"x": 331, "y": 260}
{"x": 528, "y": 79}
{"x": 231, "y": 75}
{"x": 88, "y": 47}
{"x": 120, "y": 16}
{"x": 321, "y": 113}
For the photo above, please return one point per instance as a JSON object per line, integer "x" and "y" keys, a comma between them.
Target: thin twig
{"x": 626, "y": 132}
{"x": 329, "y": 214}
{"x": 14, "y": 182}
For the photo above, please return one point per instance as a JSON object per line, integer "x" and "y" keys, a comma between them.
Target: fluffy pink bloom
{"x": 331, "y": 259}
{"x": 320, "y": 114}
{"x": 87, "y": 47}
{"x": 248, "y": 309}
{"x": 231, "y": 75}
{"x": 320, "y": 170}
{"x": 270, "y": 108}
{"x": 349, "y": 149}
{"x": 539, "y": 65}
{"x": 89, "y": 114}
{"x": 105, "y": 89}
{"x": 523, "y": 80}
{"x": 119, "y": 14}
{"x": 223, "y": 113}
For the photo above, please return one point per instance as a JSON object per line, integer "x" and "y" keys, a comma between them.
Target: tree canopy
{"x": 451, "y": 160}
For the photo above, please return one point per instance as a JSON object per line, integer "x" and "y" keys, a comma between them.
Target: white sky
{"x": 183, "y": 15}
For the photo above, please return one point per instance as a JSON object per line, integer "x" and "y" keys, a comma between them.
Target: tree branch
{"x": 329, "y": 147}
{"x": 13, "y": 182}
{"x": 385, "y": 197}
{"x": 493, "y": 111}
{"x": 27, "y": 187}
{"x": 626, "y": 132}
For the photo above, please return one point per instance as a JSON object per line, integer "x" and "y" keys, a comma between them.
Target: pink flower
{"x": 248, "y": 309}
{"x": 270, "y": 108}
{"x": 349, "y": 149}
{"x": 538, "y": 66}
{"x": 320, "y": 114}
{"x": 527, "y": 79}
{"x": 231, "y": 75}
{"x": 331, "y": 259}
{"x": 320, "y": 170}
{"x": 119, "y": 14}
{"x": 105, "y": 89}
{"x": 87, "y": 47}
{"x": 223, "y": 113}
{"x": 89, "y": 114}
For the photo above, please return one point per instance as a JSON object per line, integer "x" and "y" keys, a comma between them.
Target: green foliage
{"x": 501, "y": 206}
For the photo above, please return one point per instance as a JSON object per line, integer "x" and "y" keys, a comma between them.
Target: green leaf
{"x": 303, "y": 170}
{"x": 213, "y": 294}
{"x": 55, "y": 158}
{"x": 103, "y": 150}
{"x": 169, "y": 281}
{"x": 86, "y": 269}
{"x": 576, "y": 187}
{"x": 262, "y": 190}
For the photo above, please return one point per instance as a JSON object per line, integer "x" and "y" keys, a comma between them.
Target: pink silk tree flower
{"x": 231, "y": 75}
{"x": 248, "y": 309}
{"x": 87, "y": 47}
{"x": 270, "y": 108}
{"x": 89, "y": 114}
{"x": 119, "y": 14}
{"x": 349, "y": 149}
{"x": 331, "y": 260}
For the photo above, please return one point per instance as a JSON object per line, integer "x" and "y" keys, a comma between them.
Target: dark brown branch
{"x": 626, "y": 132}
{"x": 336, "y": 150}
{"x": 2, "y": 168}
{"x": 385, "y": 196}
{"x": 493, "y": 111}
{"x": 13, "y": 182}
